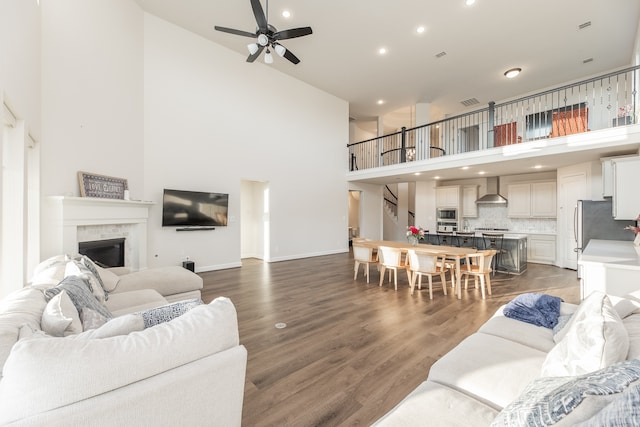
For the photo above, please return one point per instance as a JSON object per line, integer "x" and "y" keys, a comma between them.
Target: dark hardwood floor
{"x": 350, "y": 350}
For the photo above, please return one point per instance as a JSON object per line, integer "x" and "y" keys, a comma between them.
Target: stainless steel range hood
{"x": 493, "y": 196}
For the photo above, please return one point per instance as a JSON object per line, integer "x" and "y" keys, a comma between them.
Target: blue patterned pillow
{"x": 158, "y": 315}
{"x": 548, "y": 400}
{"x": 80, "y": 294}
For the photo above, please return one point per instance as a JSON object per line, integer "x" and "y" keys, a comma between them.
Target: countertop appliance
{"x": 593, "y": 220}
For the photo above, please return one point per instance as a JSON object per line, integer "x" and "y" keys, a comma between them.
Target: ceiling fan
{"x": 267, "y": 36}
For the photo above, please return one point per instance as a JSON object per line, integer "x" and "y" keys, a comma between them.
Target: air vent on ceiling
{"x": 586, "y": 61}
{"x": 469, "y": 102}
{"x": 584, "y": 25}
{"x": 441, "y": 54}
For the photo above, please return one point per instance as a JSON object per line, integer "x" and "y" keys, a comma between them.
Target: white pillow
{"x": 109, "y": 279}
{"x": 594, "y": 339}
{"x": 60, "y": 317}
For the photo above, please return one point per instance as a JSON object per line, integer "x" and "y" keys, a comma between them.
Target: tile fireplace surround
{"x": 70, "y": 220}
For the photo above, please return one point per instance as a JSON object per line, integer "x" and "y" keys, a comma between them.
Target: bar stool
{"x": 494, "y": 241}
{"x": 446, "y": 238}
{"x": 466, "y": 239}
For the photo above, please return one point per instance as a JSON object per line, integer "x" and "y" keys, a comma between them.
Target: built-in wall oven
{"x": 447, "y": 219}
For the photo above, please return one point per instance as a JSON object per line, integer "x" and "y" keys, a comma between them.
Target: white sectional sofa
{"x": 150, "y": 362}
{"x": 512, "y": 373}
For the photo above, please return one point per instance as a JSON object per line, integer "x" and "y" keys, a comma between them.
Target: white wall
{"x": 371, "y": 211}
{"x": 213, "y": 120}
{"x": 92, "y": 89}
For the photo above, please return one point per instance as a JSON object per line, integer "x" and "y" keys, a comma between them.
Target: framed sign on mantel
{"x": 102, "y": 187}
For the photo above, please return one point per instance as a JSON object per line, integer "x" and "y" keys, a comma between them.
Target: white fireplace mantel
{"x": 66, "y": 214}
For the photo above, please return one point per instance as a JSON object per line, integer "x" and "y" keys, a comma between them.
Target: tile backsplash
{"x": 495, "y": 216}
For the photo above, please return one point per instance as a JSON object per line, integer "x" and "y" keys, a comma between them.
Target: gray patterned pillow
{"x": 548, "y": 400}
{"x": 623, "y": 411}
{"x": 158, "y": 315}
{"x": 80, "y": 294}
{"x": 89, "y": 265}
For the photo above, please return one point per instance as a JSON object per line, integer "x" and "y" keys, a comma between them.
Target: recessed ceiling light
{"x": 286, "y": 14}
{"x": 436, "y": 177}
{"x": 380, "y": 101}
{"x": 420, "y": 29}
{"x": 382, "y": 51}
{"x": 417, "y": 174}
{"x": 464, "y": 168}
{"x": 537, "y": 167}
{"x": 512, "y": 72}
{"x": 469, "y": 2}
{"x": 481, "y": 173}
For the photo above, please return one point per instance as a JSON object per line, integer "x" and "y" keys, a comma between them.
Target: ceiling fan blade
{"x": 253, "y": 57}
{"x": 291, "y": 57}
{"x": 258, "y": 12}
{"x": 292, "y": 33}
{"x": 236, "y": 32}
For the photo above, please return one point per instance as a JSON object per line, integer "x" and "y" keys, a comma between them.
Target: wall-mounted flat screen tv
{"x": 194, "y": 209}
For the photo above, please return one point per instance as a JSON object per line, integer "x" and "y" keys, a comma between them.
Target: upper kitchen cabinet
{"x": 469, "y": 197}
{"x": 448, "y": 197}
{"x": 532, "y": 200}
{"x": 607, "y": 174}
{"x": 625, "y": 188}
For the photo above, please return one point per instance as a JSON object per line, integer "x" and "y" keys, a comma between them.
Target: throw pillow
{"x": 623, "y": 411}
{"x": 595, "y": 338}
{"x": 165, "y": 313}
{"x": 60, "y": 317}
{"x": 122, "y": 325}
{"x": 563, "y": 320}
{"x": 109, "y": 279}
{"x": 93, "y": 268}
{"x": 76, "y": 268}
{"x": 91, "y": 319}
{"x": 565, "y": 401}
{"x": 81, "y": 296}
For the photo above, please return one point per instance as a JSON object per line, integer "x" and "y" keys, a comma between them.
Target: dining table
{"x": 452, "y": 253}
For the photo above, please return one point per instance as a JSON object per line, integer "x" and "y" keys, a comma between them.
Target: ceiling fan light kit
{"x": 267, "y": 36}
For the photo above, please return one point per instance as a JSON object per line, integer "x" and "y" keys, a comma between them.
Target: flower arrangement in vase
{"x": 636, "y": 230}
{"x": 414, "y": 234}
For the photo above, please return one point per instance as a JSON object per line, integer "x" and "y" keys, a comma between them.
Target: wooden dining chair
{"x": 426, "y": 264}
{"x": 391, "y": 259}
{"x": 478, "y": 265}
{"x": 363, "y": 255}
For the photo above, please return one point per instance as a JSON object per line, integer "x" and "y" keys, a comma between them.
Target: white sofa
{"x": 152, "y": 363}
{"x": 510, "y": 373}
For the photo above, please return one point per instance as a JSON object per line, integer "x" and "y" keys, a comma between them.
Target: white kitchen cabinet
{"x": 519, "y": 197}
{"x": 469, "y": 197}
{"x": 543, "y": 199}
{"x": 532, "y": 200}
{"x": 607, "y": 174}
{"x": 626, "y": 172}
{"x": 448, "y": 197}
{"x": 610, "y": 266}
{"x": 541, "y": 248}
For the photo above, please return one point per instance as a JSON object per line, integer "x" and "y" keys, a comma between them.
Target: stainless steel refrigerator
{"x": 594, "y": 220}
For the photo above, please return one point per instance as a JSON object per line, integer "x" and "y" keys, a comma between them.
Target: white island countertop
{"x": 615, "y": 252}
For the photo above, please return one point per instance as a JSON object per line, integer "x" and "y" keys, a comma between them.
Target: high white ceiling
{"x": 481, "y": 42}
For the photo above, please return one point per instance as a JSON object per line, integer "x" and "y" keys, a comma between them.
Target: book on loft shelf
{"x": 102, "y": 186}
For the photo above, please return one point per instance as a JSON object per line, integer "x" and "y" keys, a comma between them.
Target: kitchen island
{"x": 610, "y": 266}
{"x": 514, "y": 258}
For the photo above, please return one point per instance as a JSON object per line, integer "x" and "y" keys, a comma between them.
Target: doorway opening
{"x": 254, "y": 220}
{"x": 354, "y": 215}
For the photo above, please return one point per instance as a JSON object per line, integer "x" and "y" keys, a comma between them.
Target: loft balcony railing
{"x": 602, "y": 102}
